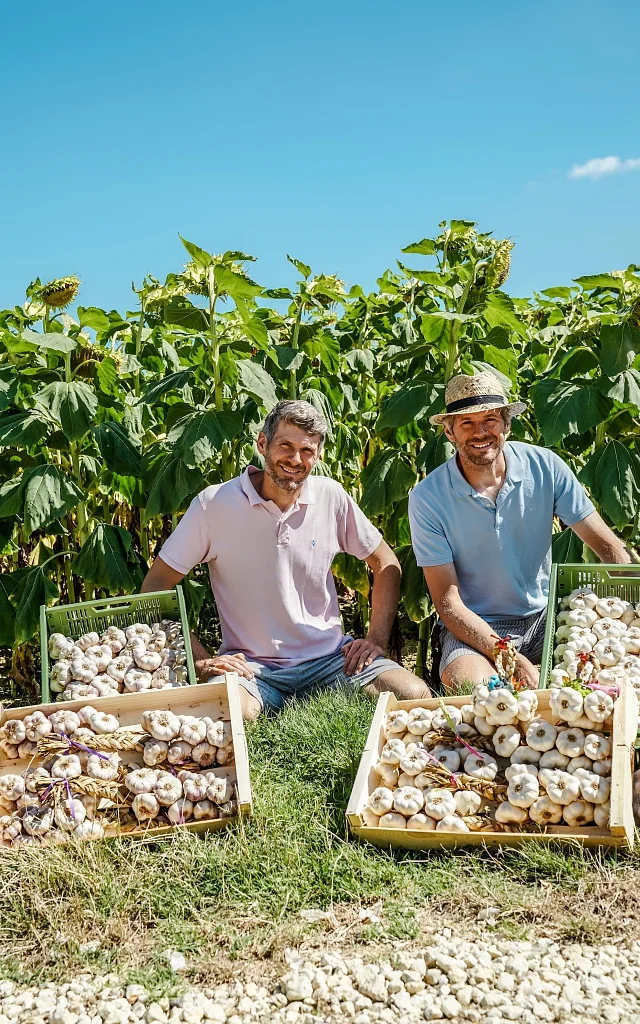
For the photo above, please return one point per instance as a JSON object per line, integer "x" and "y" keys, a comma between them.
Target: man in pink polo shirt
{"x": 269, "y": 537}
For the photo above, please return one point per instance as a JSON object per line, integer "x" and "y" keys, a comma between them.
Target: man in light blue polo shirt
{"x": 481, "y": 527}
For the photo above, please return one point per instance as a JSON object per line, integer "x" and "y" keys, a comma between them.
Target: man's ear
{"x": 262, "y": 443}
{"x": 448, "y": 433}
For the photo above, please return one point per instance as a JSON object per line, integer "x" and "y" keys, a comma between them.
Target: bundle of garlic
{"x": 495, "y": 764}
{"x": 597, "y": 641}
{"x": 139, "y": 657}
{"x": 78, "y": 784}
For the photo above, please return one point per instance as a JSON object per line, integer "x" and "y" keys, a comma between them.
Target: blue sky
{"x": 337, "y": 132}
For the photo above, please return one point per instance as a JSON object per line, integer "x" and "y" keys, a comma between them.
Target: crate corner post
{"x": 45, "y": 690}
{"x": 243, "y": 779}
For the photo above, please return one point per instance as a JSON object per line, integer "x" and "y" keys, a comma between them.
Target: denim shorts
{"x": 527, "y": 635}
{"x": 274, "y": 686}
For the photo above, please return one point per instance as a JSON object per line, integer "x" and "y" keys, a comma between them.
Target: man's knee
{"x": 403, "y": 684}
{"x": 466, "y": 670}
{"x": 251, "y": 706}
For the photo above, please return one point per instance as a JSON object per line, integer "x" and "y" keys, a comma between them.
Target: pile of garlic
{"x": 77, "y": 783}
{"x": 535, "y": 771}
{"x": 140, "y": 657}
{"x": 605, "y": 628}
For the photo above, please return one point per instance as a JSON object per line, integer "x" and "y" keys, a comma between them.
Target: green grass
{"x": 238, "y": 894}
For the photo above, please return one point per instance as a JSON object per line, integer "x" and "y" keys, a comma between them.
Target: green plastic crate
{"x": 94, "y": 616}
{"x": 606, "y": 580}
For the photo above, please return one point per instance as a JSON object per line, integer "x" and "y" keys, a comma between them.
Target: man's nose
{"x": 296, "y": 457}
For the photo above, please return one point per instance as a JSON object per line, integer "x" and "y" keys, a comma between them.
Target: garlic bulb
{"x": 141, "y": 780}
{"x": 598, "y": 706}
{"x": 441, "y": 721}
{"x": 452, "y": 823}
{"x": 392, "y": 820}
{"x": 596, "y": 746}
{"x": 396, "y": 724}
{"x": 501, "y": 707}
{"x": 570, "y": 742}
{"x": 481, "y": 766}
{"x": 135, "y": 680}
{"x": 541, "y": 735}
{"x": 601, "y": 814}
{"x": 525, "y": 754}
{"x": 181, "y": 811}
{"x": 449, "y": 759}
{"x": 69, "y": 813}
{"x": 562, "y": 787}
{"x": 102, "y": 723}
{"x": 419, "y": 721}
{"x": 204, "y": 809}
{"x": 581, "y": 598}
{"x": 387, "y": 773}
{"x": 603, "y": 766}
{"x": 381, "y": 800}
{"x": 438, "y": 803}
{"x": 566, "y": 703}
{"x": 609, "y": 651}
{"x": 167, "y": 790}
{"x": 595, "y": 789}
{"x": 415, "y": 761}
{"x": 36, "y": 726}
{"x": 553, "y": 759}
{"x": 523, "y": 790}
{"x": 103, "y": 767}
{"x": 162, "y": 725}
{"x": 520, "y": 769}
{"x": 66, "y": 766}
{"x": 507, "y": 813}
{"x": 192, "y": 730}
{"x": 145, "y": 806}
{"x": 506, "y": 739}
{"x": 467, "y": 802}
{"x": 545, "y": 812}
{"x": 408, "y": 800}
{"x": 11, "y": 787}
{"x": 392, "y": 752}
{"x": 91, "y": 830}
{"x": 421, "y": 822}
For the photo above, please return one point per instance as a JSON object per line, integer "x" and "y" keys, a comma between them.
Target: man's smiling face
{"x": 290, "y": 456}
{"x": 479, "y": 437}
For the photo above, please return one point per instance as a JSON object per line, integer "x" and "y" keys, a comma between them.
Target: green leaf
{"x": 612, "y": 475}
{"x": 117, "y": 449}
{"x": 409, "y": 403}
{"x": 194, "y": 597}
{"x": 557, "y": 293}
{"x": 198, "y": 255}
{"x": 326, "y": 348}
{"x": 503, "y": 359}
{"x": 564, "y": 408}
{"x": 413, "y": 588}
{"x": 108, "y": 560}
{"x": 257, "y": 382}
{"x": 352, "y": 572}
{"x": 47, "y": 494}
{"x": 238, "y": 286}
{"x": 169, "y": 354}
{"x": 74, "y": 405}
{"x": 436, "y": 451}
{"x": 624, "y": 389}
{"x": 108, "y": 376}
{"x": 23, "y": 428}
{"x": 8, "y": 387}
{"x": 93, "y": 317}
{"x": 7, "y": 613}
{"x": 171, "y": 483}
{"x": 301, "y": 267}
{"x": 256, "y": 330}
{"x": 11, "y": 496}
{"x": 50, "y": 342}
{"x": 592, "y": 281}
{"x": 192, "y": 318}
{"x": 200, "y": 436}
{"x": 360, "y": 360}
{"x": 33, "y": 590}
{"x": 566, "y": 546}
{"x": 277, "y": 293}
{"x": 427, "y": 247}
{"x": 620, "y": 344}
{"x": 500, "y": 312}
{"x": 322, "y": 404}
{"x": 386, "y": 479}
{"x": 288, "y": 358}
{"x": 172, "y": 382}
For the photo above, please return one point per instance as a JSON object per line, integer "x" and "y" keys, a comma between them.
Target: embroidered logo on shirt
{"x": 313, "y": 543}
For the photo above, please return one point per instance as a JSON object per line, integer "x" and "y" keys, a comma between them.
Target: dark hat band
{"x": 464, "y": 403}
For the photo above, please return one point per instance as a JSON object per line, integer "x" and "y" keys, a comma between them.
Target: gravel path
{"x": 449, "y": 980}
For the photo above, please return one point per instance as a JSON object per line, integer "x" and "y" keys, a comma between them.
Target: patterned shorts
{"x": 527, "y": 636}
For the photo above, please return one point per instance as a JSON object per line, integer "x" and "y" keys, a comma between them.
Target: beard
{"x": 280, "y": 479}
{"x": 478, "y": 458}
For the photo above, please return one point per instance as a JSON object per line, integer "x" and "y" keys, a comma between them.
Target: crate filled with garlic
{"x": 593, "y": 628}
{"x": 498, "y": 767}
{"x": 141, "y": 764}
{"x": 117, "y": 645}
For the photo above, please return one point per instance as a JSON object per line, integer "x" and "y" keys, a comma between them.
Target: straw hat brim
{"x": 515, "y": 408}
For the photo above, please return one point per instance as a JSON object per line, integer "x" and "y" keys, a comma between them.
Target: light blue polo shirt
{"x": 502, "y": 551}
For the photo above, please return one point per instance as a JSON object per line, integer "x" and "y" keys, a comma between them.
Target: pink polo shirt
{"x": 270, "y": 570}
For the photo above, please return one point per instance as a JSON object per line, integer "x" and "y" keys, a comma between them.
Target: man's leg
{"x": 251, "y": 706}
{"x": 402, "y": 683}
{"x": 468, "y": 668}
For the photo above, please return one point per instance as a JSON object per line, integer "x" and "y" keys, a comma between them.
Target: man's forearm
{"x": 468, "y": 627}
{"x": 384, "y": 604}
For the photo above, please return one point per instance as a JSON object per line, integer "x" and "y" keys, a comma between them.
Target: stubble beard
{"x": 283, "y": 483}
{"x": 468, "y": 454}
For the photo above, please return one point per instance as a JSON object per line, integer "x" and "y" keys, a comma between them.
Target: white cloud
{"x": 602, "y": 165}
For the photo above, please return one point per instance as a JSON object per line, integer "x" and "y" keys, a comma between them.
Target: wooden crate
{"x": 219, "y": 700}
{"x": 621, "y": 830}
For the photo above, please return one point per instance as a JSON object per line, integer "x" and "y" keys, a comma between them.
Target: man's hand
{"x": 358, "y": 654}
{"x": 527, "y": 673}
{"x": 207, "y": 667}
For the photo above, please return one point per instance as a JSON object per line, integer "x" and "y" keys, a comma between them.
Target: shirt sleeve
{"x": 430, "y": 544}
{"x": 570, "y": 500}
{"x": 192, "y": 540}
{"x": 356, "y": 534}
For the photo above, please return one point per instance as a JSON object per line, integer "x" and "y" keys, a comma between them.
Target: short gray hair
{"x": 300, "y": 414}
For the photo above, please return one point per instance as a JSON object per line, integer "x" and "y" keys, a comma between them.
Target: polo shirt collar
{"x": 463, "y": 488}
{"x": 306, "y": 496}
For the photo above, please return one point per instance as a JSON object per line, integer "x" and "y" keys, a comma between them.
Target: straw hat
{"x": 465, "y": 394}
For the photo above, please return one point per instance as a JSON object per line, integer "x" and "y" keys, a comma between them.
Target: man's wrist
{"x": 382, "y": 642}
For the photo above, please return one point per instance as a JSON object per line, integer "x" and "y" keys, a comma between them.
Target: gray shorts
{"x": 527, "y": 635}
{"x": 274, "y": 686}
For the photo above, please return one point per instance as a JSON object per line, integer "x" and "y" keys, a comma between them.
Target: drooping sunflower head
{"x": 60, "y": 292}
{"x": 634, "y": 315}
{"x": 498, "y": 271}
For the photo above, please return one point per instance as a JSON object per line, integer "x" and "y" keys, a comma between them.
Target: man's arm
{"x": 595, "y": 533}
{"x": 162, "y": 577}
{"x": 384, "y": 603}
{"x": 442, "y": 581}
